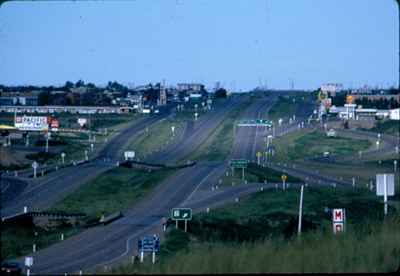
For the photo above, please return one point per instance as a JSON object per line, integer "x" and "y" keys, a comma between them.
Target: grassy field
{"x": 305, "y": 144}
{"x": 112, "y": 191}
{"x": 258, "y": 235}
{"x": 287, "y": 106}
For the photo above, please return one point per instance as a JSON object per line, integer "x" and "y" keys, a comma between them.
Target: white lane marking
{"x": 197, "y": 187}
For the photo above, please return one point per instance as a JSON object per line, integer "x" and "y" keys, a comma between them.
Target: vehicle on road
{"x": 10, "y": 268}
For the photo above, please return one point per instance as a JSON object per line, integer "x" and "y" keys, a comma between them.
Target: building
{"x": 331, "y": 88}
{"x": 394, "y": 114}
{"x": 20, "y": 98}
{"x": 377, "y": 97}
{"x": 190, "y": 87}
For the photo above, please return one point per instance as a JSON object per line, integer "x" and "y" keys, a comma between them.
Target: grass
{"x": 18, "y": 240}
{"x": 287, "y": 106}
{"x": 305, "y": 144}
{"x": 255, "y": 173}
{"x": 258, "y": 235}
{"x": 156, "y": 137}
{"x": 112, "y": 191}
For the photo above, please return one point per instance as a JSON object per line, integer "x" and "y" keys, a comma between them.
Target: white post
{"x": 185, "y": 225}
{"x": 25, "y": 209}
{"x": 80, "y": 272}
{"x": 28, "y": 272}
{"x": 354, "y": 182}
{"x": 141, "y": 256}
{"x": 34, "y": 247}
{"x": 243, "y": 173}
{"x": 34, "y": 172}
{"x": 208, "y": 210}
{"x": 283, "y": 184}
{"x": 62, "y": 237}
{"x": 300, "y": 210}
{"x": 154, "y": 257}
{"x": 47, "y": 142}
{"x": 395, "y": 165}
{"x": 385, "y": 192}
{"x": 27, "y": 140}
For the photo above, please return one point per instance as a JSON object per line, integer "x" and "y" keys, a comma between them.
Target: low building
{"x": 331, "y": 88}
{"x": 195, "y": 87}
{"x": 394, "y": 114}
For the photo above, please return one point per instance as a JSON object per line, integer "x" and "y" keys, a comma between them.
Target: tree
{"x": 221, "y": 93}
{"x": 79, "y": 83}
{"x": 68, "y": 85}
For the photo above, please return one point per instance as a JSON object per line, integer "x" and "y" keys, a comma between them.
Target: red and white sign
{"x": 54, "y": 124}
{"x": 32, "y": 123}
{"x": 338, "y": 215}
{"x": 338, "y": 227}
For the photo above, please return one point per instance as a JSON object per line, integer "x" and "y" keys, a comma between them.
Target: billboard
{"x": 82, "y": 121}
{"x": 32, "y": 123}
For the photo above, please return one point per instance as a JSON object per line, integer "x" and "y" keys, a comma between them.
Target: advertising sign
{"x": 82, "y": 121}
{"x": 129, "y": 155}
{"x": 32, "y": 123}
{"x": 54, "y": 124}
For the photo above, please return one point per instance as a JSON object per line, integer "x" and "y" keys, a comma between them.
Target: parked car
{"x": 11, "y": 268}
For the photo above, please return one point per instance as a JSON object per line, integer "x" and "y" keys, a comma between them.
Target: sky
{"x": 240, "y": 43}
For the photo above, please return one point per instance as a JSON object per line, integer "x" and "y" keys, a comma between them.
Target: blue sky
{"x": 241, "y": 43}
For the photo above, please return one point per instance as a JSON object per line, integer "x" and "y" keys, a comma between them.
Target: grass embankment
{"x": 258, "y": 235}
{"x": 18, "y": 240}
{"x": 157, "y": 136}
{"x": 112, "y": 191}
{"x": 255, "y": 173}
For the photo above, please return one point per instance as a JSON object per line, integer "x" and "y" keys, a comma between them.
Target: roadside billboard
{"x": 82, "y": 121}
{"x": 32, "y": 123}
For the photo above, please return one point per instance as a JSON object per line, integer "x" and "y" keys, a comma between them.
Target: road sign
{"x": 338, "y": 215}
{"x": 338, "y": 220}
{"x": 35, "y": 165}
{"x": 32, "y": 123}
{"x": 129, "y": 155}
{"x": 380, "y": 184}
{"x": 149, "y": 244}
{"x": 284, "y": 177}
{"x": 239, "y": 163}
{"x": 28, "y": 261}
{"x": 338, "y": 227}
{"x": 181, "y": 214}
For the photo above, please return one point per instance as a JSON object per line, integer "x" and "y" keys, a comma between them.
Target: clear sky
{"x": 241, "y": 43}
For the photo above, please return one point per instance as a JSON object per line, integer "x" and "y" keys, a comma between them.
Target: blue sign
{"x": 149, "y": 244}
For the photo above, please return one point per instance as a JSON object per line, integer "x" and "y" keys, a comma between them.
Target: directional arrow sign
{"x": 181, "y": 214}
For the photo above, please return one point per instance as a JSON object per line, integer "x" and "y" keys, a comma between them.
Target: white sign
{"x": 28, "y": 261}
{"x": 32, "y": 123}
{"x": 338, "y": 215}
{"x": 338, "y": 227}
{"x": 380, "y": 184}
{"x": 82, "y": 121}
{"x": 129, "y": 154}
{"x": 34, "y": 165}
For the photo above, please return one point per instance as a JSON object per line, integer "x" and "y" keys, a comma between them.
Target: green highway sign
{"x": 258, "y": 122}
{"x": 239, "y": 163}
{"x": 181, "y": 214}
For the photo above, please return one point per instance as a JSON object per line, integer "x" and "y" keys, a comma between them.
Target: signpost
{"x": 258, "y": 154}
{"x": 86, "y": 155}
{"x": 173, "y": 130}
{"x": 385, "y": 187}
{"x": 300, "y": 210}
{"x": 284, "y": 177}
{"x": 184, "y": 214}
{"x": 63, "y": 157}
{"x": 35, "y": 165}
{"x": 28, "y": 263}
{"x": 149, "y": 244}
{"x": 129, "y": 155}
{"x": 238, "y": 164}
{"x": 338, "y": 220}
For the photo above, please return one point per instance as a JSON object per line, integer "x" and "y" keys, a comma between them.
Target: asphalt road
{"x": 43, "y": 192}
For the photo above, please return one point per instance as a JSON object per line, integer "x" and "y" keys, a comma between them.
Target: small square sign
{"x": 338, "y": 227}
{"x": 338, "y": 215}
